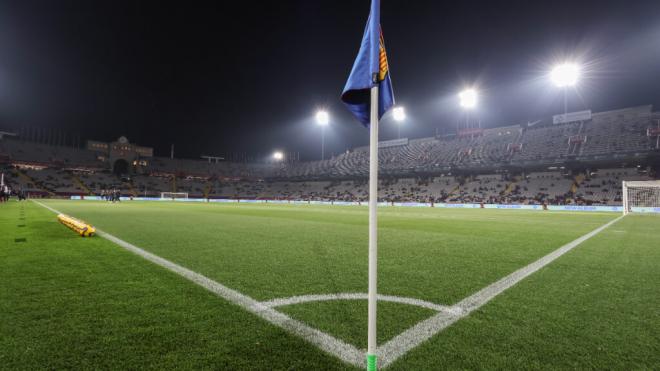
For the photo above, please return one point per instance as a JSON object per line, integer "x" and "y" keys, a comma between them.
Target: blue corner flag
{"x": 370, "y": 69}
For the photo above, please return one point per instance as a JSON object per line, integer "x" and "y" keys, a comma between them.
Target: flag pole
{"x": 373, "y": 230}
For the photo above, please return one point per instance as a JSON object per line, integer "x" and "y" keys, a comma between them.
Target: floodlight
{"x": 468, "y": 98}
{"x": 277, "y": 155}
{"x": 565, "y": 75}
{"x": 399, "y": 114}
{"x": 322, "y": 118}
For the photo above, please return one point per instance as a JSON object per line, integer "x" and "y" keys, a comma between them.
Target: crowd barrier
{"x": 618, "y": 209}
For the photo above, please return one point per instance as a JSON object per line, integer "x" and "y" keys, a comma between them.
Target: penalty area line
{"x": 329, "y": 344}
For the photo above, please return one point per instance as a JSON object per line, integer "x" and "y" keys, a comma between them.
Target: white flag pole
{"x": 373, "y": 229}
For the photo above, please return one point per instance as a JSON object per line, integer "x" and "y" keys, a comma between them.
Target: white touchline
{"x": 388, "y": 352}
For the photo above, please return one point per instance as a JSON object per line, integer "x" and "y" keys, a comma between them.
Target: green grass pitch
{"x": 83, "y": 303}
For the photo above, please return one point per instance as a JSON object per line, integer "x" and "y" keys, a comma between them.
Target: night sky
{"x": 215, "y": 79}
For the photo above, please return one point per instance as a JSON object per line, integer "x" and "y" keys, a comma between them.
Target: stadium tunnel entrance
{"x": 120, "y": 167}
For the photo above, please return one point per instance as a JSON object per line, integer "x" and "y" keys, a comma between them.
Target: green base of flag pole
{"x": 371, "y": 362}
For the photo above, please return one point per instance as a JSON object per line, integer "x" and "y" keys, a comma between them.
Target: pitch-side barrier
{"x": 616, "y": 209}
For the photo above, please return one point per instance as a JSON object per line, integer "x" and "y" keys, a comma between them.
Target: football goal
{"x": 641, "y": 196}
{"x": 173, "y": 195}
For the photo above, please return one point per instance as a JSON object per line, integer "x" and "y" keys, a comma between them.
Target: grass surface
{"x": 73, "y": 303}
{"x": 342, "y": 318}
{"x": 279, "y": 251}
{"x": 595, "y": 307}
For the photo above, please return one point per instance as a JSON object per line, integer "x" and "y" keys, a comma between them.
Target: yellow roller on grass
{"x": 78, "y": 226}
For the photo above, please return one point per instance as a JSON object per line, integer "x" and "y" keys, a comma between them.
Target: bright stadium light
{"x": 565, "y": 75}
{"x": 468, "y": 98}
{"x": 399, "y": 114}
{"x": 322, "y": 118}
{"x": 278, "y": 156}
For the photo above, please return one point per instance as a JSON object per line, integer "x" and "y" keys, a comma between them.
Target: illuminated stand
{"x": 641, "y": 196}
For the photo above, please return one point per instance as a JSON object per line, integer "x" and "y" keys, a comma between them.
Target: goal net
{"x": 173, "y": 195}
{"x": 641, "y": 196}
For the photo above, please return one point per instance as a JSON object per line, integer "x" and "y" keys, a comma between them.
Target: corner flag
{"x": 369, "y": 69}
{"x": 368, "y": 95}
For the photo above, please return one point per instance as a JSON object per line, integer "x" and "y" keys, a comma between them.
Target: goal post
{"x": 173, "y": 195}
{"x": 641, "y": 196}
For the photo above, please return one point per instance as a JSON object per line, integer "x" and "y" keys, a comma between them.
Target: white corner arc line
{"x": 355, "y": 296}
{"x": 416, "y": 335}
{"x": 346, "y": 352}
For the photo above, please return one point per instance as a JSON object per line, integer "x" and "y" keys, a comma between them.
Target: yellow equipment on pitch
{"x": 80, "y": 227}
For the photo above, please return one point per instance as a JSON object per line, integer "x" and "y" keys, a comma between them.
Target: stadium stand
{"x": 37, "y": 153}
{"x": 543, "y": 187}
{"x": 580, "y": 162}
{"x": 618, "y": 132}
{"x": 604, "y": 186}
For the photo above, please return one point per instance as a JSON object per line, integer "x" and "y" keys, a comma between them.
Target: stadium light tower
{"x": 278, "y": 156}
{"x": 468, "y": 100}
{"x": 565, "y": 76}
{"x": 322, "y": 119}
{"x": 399, "y": 114}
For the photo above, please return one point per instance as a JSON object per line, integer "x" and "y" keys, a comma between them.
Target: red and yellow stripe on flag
{"x": 383, "y": 59}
